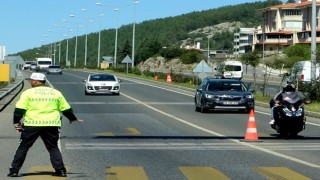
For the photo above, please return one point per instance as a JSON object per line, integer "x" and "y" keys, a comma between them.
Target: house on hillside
{"x": 284, "y": 25}
{"x": 106, "y": 62}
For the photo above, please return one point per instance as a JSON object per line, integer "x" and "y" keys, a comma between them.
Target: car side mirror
{"x": 84, "y": 80}
{"x": 119, "y": 80}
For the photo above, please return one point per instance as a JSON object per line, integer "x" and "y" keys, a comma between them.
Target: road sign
{"x": 202, "y": 67}
{"x": 202, "y": 75}
{"x": 127, "y": 59}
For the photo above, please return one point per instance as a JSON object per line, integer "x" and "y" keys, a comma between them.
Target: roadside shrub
{"x": 170, "y": 53}
{"x": 192, "y": 56}
{"x": 311, "y": 90}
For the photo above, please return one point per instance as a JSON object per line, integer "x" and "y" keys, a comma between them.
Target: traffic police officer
{"x": 40, "y": 108}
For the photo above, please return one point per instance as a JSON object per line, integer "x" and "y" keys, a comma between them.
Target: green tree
{"x": 192, "y": 56}
{"x": 251, "y": 58}
{"x": 298, "y": 50}
{"x": 171, "y": 52}
{"x": 148, "y": 48}
{"x": 124, "y": 51}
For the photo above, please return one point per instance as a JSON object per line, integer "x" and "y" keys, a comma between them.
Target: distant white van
{"x": 229, "y": 70}
{"x": 43, "y": 63}
{"x": 302, "y": 70}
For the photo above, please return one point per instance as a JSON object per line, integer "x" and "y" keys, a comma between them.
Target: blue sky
{"x": 26, "y": 24}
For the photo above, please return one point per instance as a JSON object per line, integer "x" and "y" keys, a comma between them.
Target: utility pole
{"x": 313, "y": 41}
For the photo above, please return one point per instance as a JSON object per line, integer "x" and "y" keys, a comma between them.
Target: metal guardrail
{"x": 8, "y": 93}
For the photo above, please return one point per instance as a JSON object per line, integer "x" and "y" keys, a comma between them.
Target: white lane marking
{"x": 189, "y": 146}
{"x": 119, "y": 103}
{"x": 221, "y": 135}
{"x": 158, "y": 87}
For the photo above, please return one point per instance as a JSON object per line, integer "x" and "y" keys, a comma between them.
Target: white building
{"x": 242, "y": 41}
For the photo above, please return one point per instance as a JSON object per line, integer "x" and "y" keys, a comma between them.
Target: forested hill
{"x": 166, "y": 32}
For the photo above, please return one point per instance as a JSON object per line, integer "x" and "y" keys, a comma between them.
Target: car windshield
{"x": 44, "y": 62}
{"x": 232, "y": 68}
{"x": 225, "y": 86}
{"x": 54, "y": 66}
{"x": 102, "y": 77}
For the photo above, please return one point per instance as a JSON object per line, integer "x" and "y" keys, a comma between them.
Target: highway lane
{"x": 157, "y": 134}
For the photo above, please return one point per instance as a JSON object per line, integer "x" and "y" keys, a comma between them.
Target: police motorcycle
{"x": 289, "y": 115}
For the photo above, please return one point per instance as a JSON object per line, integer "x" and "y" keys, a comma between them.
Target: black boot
{"x": 13, "y": 173}
{"x": 60, "y": 173}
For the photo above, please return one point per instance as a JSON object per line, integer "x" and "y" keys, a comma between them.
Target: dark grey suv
{"x": 223, "y": 94}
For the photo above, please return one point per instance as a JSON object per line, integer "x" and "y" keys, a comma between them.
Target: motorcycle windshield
{"x": 291, "y": 99}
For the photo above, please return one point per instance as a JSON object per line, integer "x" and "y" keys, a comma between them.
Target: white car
{"x": 26, "y": 65}
{"x": 54, "y": 69}
{"x": 102, "y": 84}
{"x": 33, "y": 66}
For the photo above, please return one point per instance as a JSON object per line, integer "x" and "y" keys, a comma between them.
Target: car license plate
{"x": 230, "y": 102}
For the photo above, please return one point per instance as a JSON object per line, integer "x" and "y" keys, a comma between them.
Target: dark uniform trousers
{"x": 50, "y": 137}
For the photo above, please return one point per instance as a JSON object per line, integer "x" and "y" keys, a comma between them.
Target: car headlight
{"x": 249, "y": 96}
{"x": 209, "y": 96}
{"x": 89, "y": 87}
{"x": 287, "y": 112}
{"x": 299, "y": 112}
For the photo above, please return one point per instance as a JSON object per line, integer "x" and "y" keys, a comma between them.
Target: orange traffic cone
{"x": 251, "y": 133}
{"x": 156, "y": 77}
{"x": 169, "y": 80}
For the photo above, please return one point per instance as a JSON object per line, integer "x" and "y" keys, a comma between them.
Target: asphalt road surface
{"x": 152, "y": 132}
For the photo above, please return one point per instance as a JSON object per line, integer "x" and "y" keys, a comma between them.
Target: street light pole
{"x": 54, "y": 53}
{"x": 86, "y": 46}
{"x": 99, "y": 41}
{"x": 116, "y": 40}
{"x": 67, "y": 50}
{"x": 59, "y": 52}
{"x": 134, "y": 31}
{"x": 313, "y": 40}
{"x": 76, "y": 45}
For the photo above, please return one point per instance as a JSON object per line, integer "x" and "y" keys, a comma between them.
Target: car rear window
{"x": 54, "y": 66}
{"x": 102, "y": 77}
{"x": 225, "y": 86}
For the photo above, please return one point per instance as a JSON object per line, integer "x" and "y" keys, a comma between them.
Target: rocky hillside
{"x": 160, "y": 64}
{"x": 202, "y": 34}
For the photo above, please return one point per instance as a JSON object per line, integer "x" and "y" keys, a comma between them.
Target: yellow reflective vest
{"x": 43, "y": 106}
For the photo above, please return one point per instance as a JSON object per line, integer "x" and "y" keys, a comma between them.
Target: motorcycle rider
{"x": 274, "y": 102}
